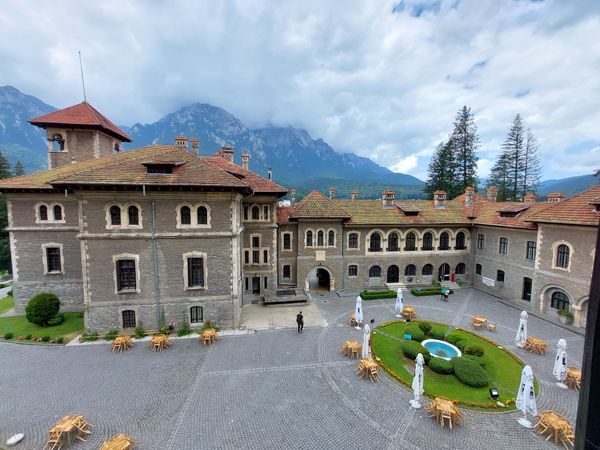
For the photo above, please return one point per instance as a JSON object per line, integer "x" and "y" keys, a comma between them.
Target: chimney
{"x": 269, "y": 174}
{"x": 492, "y": 192}
{"x": 293, "y": 195}
{"x": 469, "y": 195}
{"x": 439, "y": 199}
{"x": 331, "y": 191}
{"x": 388, "y": 197}
{"x": 555, "y": 197}
{"x": 227, "y": 153}
{"x": 195, "y": 146}
{"x": 529, "y": 198}
{"x": 245, "y": 160}
{"x": 181, "y": 141}
{"x": 354, "y": 194}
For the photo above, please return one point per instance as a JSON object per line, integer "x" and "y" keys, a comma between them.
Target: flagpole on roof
{"x": 82, "y": 81}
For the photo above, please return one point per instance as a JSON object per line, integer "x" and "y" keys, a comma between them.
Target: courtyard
{"x": 269, "y": 388}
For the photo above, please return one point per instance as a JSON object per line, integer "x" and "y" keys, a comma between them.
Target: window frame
{"x": 531, "y": 250}
{"x": 380, "y": 237}
{"x": 480, "y": 241}
{"x": 562, "y": 258}
{"x": 430, "y": 242}
{"x": 122, "y": 257}
{"x": 412, "y": 272}
{"x": 194, "y": 209}
{"x": 560, "y": 302}
{"x": 373, "y": 267}
{"x": 186, "y": 270}
{"x": 308, "y": 239}
{"x": 50, "y": 212}
{"x": 503, "y": 245}
{"x": 349, "y": 240}
{"x": 500, "y": 276}
{"x": 133, "y": 312}
{"x": 396, "y": 248}
{"x": 289, "y": 272}
{"x": 352, "y": 267}
{"x": 196, "y": 308}
{"x": 478, "y": 269}
{"x": 444, "y": 241}
{"x": 412, "y": 239}
{"x": 430, "y": 266}
{"x": 287, "y": 234}
{"x": 45, "y": 259}
{"x": 463, "y": 237}
{"x": 331, "y": 238}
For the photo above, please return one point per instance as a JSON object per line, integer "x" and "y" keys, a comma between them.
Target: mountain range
{"x": 295, "y": 158}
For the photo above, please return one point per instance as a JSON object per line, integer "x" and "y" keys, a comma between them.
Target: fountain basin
{"x": 441, "y": 349}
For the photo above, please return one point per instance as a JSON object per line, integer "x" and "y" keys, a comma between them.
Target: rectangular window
{"x": 246, "y": 279}
{"x": 266, "y": 282}
{"x": 503, "y": 245}
{"x": 256, "y": 285}
{"x": 255, "y": 241}
{"x": 265, "y": 213}
{"x": 478, "y": 269}
{"x": 126, "y": 275}
{"x": 500, "y": 276}
{"x": 195, "y": 272}
{"x": 265, "y": 256}
{"x": 255, "y": 257}
{"x": 287, "y": 241}
{"x": 353, "y": 240}
{"x": 526, "y": 289}
{"x": 53, "y": 259}
{"x": 286, "y": 272}
{"x": 530, "y": 250}
{"x": 245, "y": 213}
{"x": 246, "y": 257}
{"x": 480, "y": 241}
{"x": 352, "y": 271}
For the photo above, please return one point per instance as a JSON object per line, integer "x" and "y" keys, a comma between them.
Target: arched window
{"x": 444, "y": 241}
{"x": 309, "y": 237}
{"x": 115, "y": 215}
{"x": 375, "y": 243}
{"x": 562, "y": 256}
{"x": 185, "y": 215}
{"x": 255, "y": 213}
{"x": 460, "y": 269}
{"x": 392, "y": 242}
{"x": 58, "y": 143}
{"x": 133, "y": 215}
{"x": 410, "y": 270}
{"x": 128, "y": 319}
{"x": 353, "y": 240}
{"x": 43, "y": 212}
{"x": 320, "y": 238}
{"x": 460, "y": 241}
{"x": 202, "y": 215}
{"x": 375, "y": 272}
{"x": 331, "y": 238}
{"x": 57, "y": 210}
{"x": 393, "y": 274}
{"x": 410, "y": 243}
{"x": 196, "y": 314}
{"x": 427, "y": 269}
{"x": 559, "y": 301}
{"x": 428, "y": 241}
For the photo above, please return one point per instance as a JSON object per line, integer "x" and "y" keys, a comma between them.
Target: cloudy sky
{"x": 380, "y": 78}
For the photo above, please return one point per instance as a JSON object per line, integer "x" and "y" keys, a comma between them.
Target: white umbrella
{"x": 399, "y": 303}
{"x": 366, "y": 349}
{"x": 417, "y": 383}
{"x": 560, "y": 364}
{"x": 526, "y": 397}
{"x": 522, "y": 330}
{"x": 358, "y": 312}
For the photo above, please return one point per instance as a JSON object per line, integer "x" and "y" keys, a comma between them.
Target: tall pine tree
{"x": 499, "y": 177}
{"x": 442, "y": 168}
{"x": 19, "y": 169}
{"x": 514, "y": 149}
{"x": 4, "y": 247}
{"x": 532, "y": 165}
{"x": 466, "y": 143}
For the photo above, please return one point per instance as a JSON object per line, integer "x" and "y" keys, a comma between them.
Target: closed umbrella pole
{"x": 522, "y": 330}
{"x": 526, "y": 397}
{"x": 399, "y": 303}
{"x": 560, "y": 364}
{"x": 417, "y": 383}
{"x": 366, "y": 349}
{"x": 358, "y": 312}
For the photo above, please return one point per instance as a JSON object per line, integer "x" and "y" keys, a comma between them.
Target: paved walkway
{"x": 273, "y": 389}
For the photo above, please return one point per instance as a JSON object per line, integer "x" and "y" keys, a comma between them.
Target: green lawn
{"x": 503, "y": 370}
{"x": 6, "y": 303}
{"x": 19, "y": 326}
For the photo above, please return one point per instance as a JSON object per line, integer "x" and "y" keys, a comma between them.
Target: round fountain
{"x": 441, "y": 349}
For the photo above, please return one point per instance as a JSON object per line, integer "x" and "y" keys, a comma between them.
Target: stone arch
{"x": 546, "y": 295}
{"x": 320, "y": 278}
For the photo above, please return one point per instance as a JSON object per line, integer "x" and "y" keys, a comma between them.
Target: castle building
{"x": 163, "y": 234}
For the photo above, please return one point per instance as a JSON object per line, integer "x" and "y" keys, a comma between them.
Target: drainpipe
{"x": 155, "y": 263}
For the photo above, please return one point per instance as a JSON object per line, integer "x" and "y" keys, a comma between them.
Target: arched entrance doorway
{"x": 444, "y": 272}
{"x": 393, "y": 274}
{"x": 319, "y": 279}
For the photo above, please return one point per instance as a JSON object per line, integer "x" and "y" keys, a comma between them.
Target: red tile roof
{"x": 84, "y": 115}
{"x": 316, "y": 206}
{"x": 576, "y": 210}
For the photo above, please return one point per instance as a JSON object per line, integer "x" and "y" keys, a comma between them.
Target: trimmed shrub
{"x": 8, "y": 335}
{"x": 441, "y": 366}
{"x": 59, "y": 340}
{"x": 478, "y": 359}
{"x": 439, "y": 334}
{"x": 421, "y": 292}
{"x": 41, "y": 308}
{"x": 469, "y": 372}
{"x": 183, "y": 330}
{"x": 28, "y": 337}
{"x": 372, "y": 295}
{"x": 461, "y": 345}
{"x": 56, "y": 320}
{"x": 46, "y": 338}
{"x": 425, "y": 327}
{"x": 475, "y": 350}
{"x": 415, "y": 332}
{"x": 411, "y": 349}
{"x": 88, "y": 336}
{"x": 454, "y": 337}
{"x": 111, "y": 335}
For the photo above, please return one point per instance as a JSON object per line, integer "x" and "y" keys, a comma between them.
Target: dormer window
{"x": 58, "y": 143}
{"x": 162, "y": 167}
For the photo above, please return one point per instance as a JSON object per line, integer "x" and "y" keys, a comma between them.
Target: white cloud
{"x": 405, "y": 165}
{"x": 354, "y": 73}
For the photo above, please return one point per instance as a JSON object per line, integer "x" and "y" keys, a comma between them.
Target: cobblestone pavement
{"x": 268, "y": 390}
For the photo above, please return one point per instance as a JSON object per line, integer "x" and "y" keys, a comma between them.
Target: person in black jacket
{"x": 300, "y": 321}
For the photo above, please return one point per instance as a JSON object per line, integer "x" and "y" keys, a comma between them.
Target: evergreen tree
{"x": 4, "y": 247}
{"x": 441, "y": 172}
{"x": 19, "y": 169}
{"x": 4, "y": 167}
{"x": 466, "y": 143}
{"x": 514, "y": 151}
{"x": 532, "y": 165}
{"x": 499, "y": 177}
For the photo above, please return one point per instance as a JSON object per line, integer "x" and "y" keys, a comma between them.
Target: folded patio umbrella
{"x": 399, "y": 303}
{"x": 358, "y": 312}
{"x": 522, "y": 330}
{"x": 417, "y": 382}
{"x": 366, "y": 349}
{"x": 560, "y": 364}
{"x": 526, "y": 397}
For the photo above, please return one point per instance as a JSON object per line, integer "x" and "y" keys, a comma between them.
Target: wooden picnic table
{"x": 160, "y": 342}
{"x": 555, "y": 426}
{"x": 209, "y": 336}
{"x": 118, "y": 442}
{"x": 65, "y": 429}
{"x": 535, "y": 345}
{"x": 351, "y": 349}
{"x": 368, "y": 369}
{"x": 122, "y": 343}
{"x": 444, "y": 410}
{"x": 573, "y": 378}
{"x": 409, "y": 312}
{"x": 479, "y": 321}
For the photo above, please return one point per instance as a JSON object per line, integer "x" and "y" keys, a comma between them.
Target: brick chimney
{"x": 332, "y": 191}
{"x": 245, "y": 160}
{"x": 293, "y": 195}
{"x": 354, "y": 194}
{"x": 227, "y": 153}
{"x": 181, "y": 141}
{"x": 195, "y": 146}
{"x": 469, "y": 195}
{"x": 387, "y": 197}
{"x": 492, "y": 193}
{"x": 270, "y": 173}
{"x": 529, "y": 198}
{"x": 439, "y": 199}
{"x": 555, "y": 197}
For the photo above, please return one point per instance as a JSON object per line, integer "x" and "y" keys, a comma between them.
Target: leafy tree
{"x": 465, "y": 145}
{"x": 442, "y": 170}
{"x": 19, "y": 169}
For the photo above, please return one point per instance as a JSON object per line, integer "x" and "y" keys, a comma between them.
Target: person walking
{"x": 442, "y": 292}
{"x": 446, "y": 293}
{"x": 300, "y": 321}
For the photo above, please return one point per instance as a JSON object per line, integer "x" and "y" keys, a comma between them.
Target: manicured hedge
{"x": 372, "y": 295}
{"x": 42, "y": 308}
{"x": 469, "y": 372}
{"x": 438, "y": 334}
{"x": 411, "y": 349}
{"x": 416, "y": 334}
{"x": 421, "y": 292}
{"x": 425, "y": 327}
{"x": 441, "y": 366}
{"x": 453, "y": 337}
{"x": 478, "y": 359}
{"x": 474, "y": 349}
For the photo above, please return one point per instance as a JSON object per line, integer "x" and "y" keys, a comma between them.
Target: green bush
{"x": 441, "y": 366}
{"x": 208, "y": 325}
{"x": 371, "y": 295}
{"x": 8, "y": 335}
{"x": 474, "y": 349}
{"x": 416, "y": 334}
{"x": 10, "y": 293}
{"x": 59, "y": 340}
{"x": 88, "y": 336}
{"x": 411, "y": 349}
{"x": 420, "y": 292}
{"x": 28, "y": 337}
{"x": 478, "y": 359}
{"x": 111, "y": 335}
{"x": 183, "y": 330}
{"x": 46, "y": 338}
{"x": 438, "y": 333}
{"x": 454, "y": 337}
{"x": 469, "y": 372}
{"x": 461, "y": 345}
{"x": 139, "y": 330}
{"x": 41, "y": 308}
{"x": 425, "y": 327}
{"x": 56, "y": 320}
